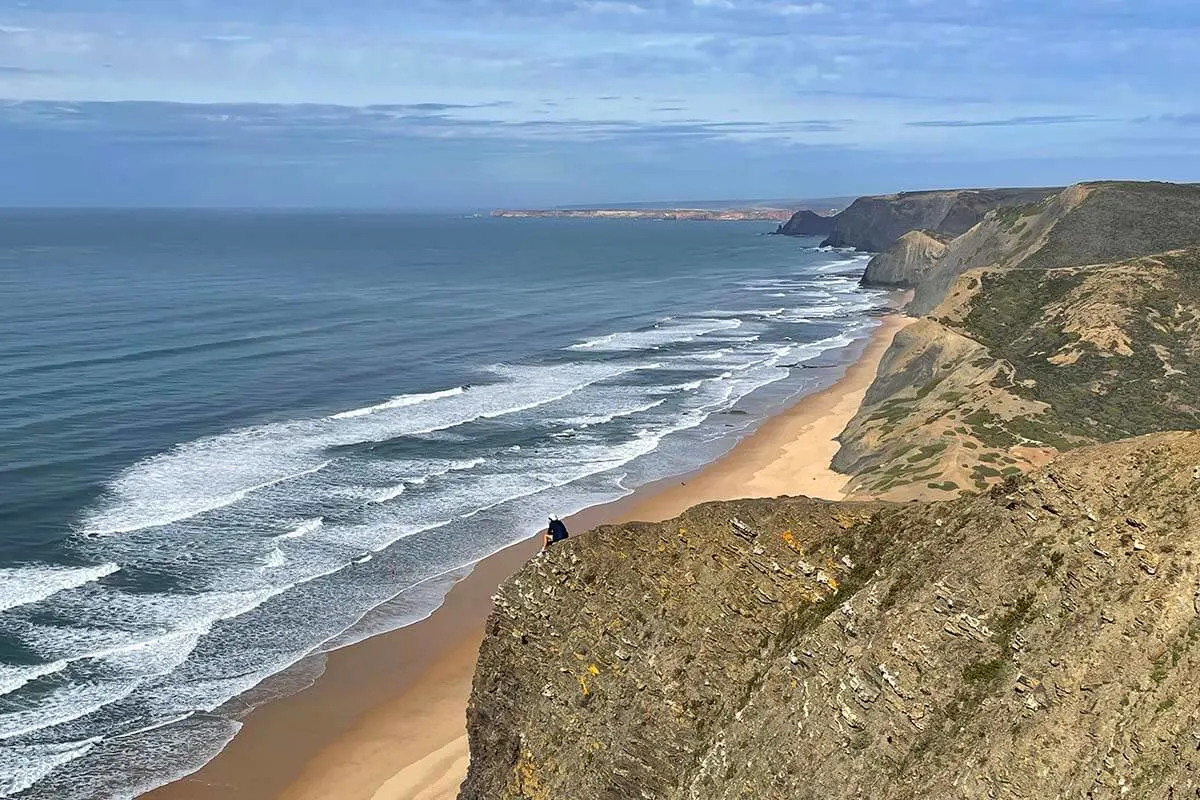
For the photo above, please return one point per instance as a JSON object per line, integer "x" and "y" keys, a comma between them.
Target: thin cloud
{"x": 1047, "y": 119}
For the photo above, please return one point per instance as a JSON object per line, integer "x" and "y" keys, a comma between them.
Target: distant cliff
{"x": 874, "y": 223}
{"x": 807, "y": 223}
{"x": 673, "y": 214}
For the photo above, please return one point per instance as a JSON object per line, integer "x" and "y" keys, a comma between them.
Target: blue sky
{"x": 479, "y": 103}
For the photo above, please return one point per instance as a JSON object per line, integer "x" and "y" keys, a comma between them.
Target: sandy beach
{"x": 386, "y": 720}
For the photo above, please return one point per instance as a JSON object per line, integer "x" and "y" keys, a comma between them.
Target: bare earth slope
{"x": 906, "y": 262}
{"x": 1040, "y": 640}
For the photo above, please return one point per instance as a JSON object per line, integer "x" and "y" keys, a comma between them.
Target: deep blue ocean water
{"x": 226, "y": 438}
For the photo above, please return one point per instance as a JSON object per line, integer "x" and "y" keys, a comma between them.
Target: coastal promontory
{"x": 1007, "y": 604}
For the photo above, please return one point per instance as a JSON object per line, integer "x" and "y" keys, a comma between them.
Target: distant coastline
{"x": 671, "y": 214}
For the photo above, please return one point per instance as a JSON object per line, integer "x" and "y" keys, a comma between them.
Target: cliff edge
{"x": 1039, "y": 640}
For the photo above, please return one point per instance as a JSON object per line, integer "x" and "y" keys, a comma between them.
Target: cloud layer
{"x": 886, "y": 91}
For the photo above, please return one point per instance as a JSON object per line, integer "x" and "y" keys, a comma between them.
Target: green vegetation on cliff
{"x": 1113, "y": 351}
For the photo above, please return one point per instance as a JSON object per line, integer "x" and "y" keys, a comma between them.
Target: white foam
{"x": 461, "y": 465}
{"x": 304, "y": 528}
{"x": 177, "y": 508}
{"x": 215, "y": 472}
{"x": 604, "y": 419}
{"x": 13, "y": 677}
{"x": 117, "y": 623}
{"x": 400, "y": 401}
{"x": 21, "y": 766}
{"x": 664, "y": 333}
{"x": 21, "y": 586}
{"x": 66, "y": 704}
{"x": 274, "y": 558}
{"x": 391, "y": 493}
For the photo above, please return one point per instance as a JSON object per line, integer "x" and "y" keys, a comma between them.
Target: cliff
{"x": 906, "y": 262}
{"x": 874, "y": 223}
{"x": 807, "y": 223}
{"x": 1010, "y": 608}
{"x": 1039, "y": 640}
{"x": 1088, "y": 223}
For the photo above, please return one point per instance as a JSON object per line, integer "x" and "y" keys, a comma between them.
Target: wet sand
{"x": 386, "y": 720}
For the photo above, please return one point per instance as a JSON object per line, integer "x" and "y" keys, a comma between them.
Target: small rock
{"x": 1107, "y": 616}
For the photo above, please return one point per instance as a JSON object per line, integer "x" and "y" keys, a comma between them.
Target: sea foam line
{"x": 13, "y": 677}
{"x": 195, "y": 509}
{"x": 214, "y": 472}
{"x": 21, "y": 586}
{"x": 400, "y": 401}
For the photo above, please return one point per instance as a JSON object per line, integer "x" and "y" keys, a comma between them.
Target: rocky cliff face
{"x": 875, "y": 223}
{"x": 1039, "y": 640}
{"x": 906, "y": 262}
{"x": 807, "y": 223}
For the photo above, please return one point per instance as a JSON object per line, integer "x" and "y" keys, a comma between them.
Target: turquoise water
{"x": 228, "y": 437}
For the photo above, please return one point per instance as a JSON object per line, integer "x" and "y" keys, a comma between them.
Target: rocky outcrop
{"x": 807, "y": 223}
{"x": 1038, "y": 640}
{"x": 875, "y": 223}
{"x": 906, "y": 262}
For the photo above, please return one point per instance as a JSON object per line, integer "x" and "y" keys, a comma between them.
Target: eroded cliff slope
{"x": 1038, "y": 640}
{"x": 874, "y": 223}
{"x": 907, "y": 261}
{"x": 1089, "y": 223}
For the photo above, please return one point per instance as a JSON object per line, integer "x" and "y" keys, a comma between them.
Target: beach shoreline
{"x": 386, "y": 718}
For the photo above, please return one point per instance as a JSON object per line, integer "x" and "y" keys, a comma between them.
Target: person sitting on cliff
{"x": 556, "y": 531}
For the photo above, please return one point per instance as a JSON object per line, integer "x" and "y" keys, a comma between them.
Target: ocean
{"x": 231, "y": 439}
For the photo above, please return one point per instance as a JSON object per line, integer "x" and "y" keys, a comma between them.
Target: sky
{"x": 471, "y": 104}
